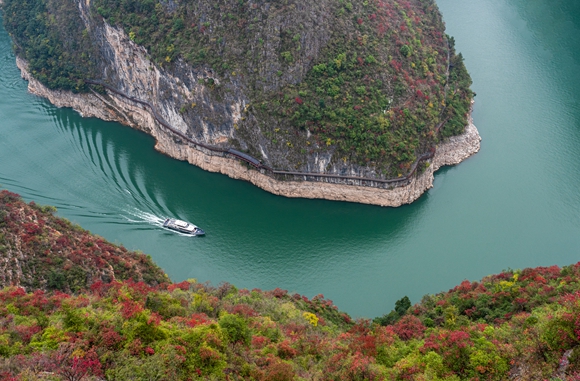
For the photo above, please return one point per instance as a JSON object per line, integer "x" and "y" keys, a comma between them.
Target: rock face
{"x": 112, "y": 107}
{"x": 331, "y": 99}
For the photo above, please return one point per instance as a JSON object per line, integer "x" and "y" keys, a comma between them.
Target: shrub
{"x": 235, "y": 328}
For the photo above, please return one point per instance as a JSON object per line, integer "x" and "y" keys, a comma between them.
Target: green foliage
{"x": 73, "y": 319}
{"x": 164, "y": 305}
{"x": 56, "y": 280}
{"x": 401, "y": 307}
{"x": 405, "y": 50}
{"x": 236, "y": 328}
{"x": 374, "y": 95}
{"x": 51, "y": 36}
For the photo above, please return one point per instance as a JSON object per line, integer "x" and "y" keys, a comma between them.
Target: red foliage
{"x": 421, "y": 95}
{"x": 279, "y": 293}
{"x": 299, "y": 100}
{"x": 135, "y": 347}
{"x": 208, "y": 354}
{"x": 346, "y": 318}
{"x": 31, "y": 228}
{"x": 100, "y": 288}
{"x": 385, "y": 335}
{"x": 154, "y": 319}
{"x": 452, "y": 346}
{"x": 396, "y": 65}
{"x": 260, "y": 342}
{"x": 409, "y": 327}
{"x": 26, "y": 332}
{"x": 464, "y": 287}
{"x": 7, "y": 196}
{"x": 182, "y": 286}
{"x": 359, "y": 368}
{"x": 286, "y": 351}
{"x": 276, "y": 370}
{"x": 63, "y": 241}
{"x": 74, "y": 368}
{"x": 363, "y": 342}
{"x": 244, "y": 310}
{"x": 198, "y": 319}
{"x": 12, "y": 293}
{"x": 130, "y": 308}
{"x": 109, "y": 337}
{"x": 293, "y": 330}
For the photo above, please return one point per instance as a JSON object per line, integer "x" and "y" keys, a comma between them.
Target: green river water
{"x": 515, "y": 204}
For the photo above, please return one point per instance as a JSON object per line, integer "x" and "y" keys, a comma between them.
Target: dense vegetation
{"x": 50, "y": 35}
{"x": 377, "y": 82}
{"x": 41, "y": 251}
{"x": 377, "y": 92}
{"x": 520, "y": 324}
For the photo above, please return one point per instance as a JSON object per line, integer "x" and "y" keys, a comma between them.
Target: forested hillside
{"x": 367, "y": 85}
{"x": 519, "y": 324}
{"x": 40, "y": 251}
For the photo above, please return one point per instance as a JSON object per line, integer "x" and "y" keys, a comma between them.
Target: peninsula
{"x": 354, "y": 101}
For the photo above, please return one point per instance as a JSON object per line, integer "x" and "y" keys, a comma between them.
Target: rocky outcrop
{"x": 112, "y": 107}
{"x": 457, "y": 148}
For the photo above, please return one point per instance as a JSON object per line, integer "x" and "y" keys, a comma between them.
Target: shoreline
{"x": 114, "y": 108}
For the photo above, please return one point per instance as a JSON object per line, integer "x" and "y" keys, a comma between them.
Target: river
{"x": 515, "y": 204}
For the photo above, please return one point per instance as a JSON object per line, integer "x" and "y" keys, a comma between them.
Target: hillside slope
{"x": 39, "y": 251}
{"x": 351, "y": 88}
{"x": 517, "y": 325}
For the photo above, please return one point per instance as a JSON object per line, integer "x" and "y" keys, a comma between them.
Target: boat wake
{"x": 137, "y": 216}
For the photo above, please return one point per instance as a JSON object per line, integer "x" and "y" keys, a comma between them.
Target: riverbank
{"x": 112, "y": 107}
{"x": 83, "y": 300}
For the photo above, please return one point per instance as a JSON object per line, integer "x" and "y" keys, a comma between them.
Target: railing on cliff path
{"x": 232, "y": 153}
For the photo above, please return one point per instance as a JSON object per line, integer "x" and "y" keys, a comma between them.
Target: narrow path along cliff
{"x": 115, "y": 106}
{"x": 320, "y": 100}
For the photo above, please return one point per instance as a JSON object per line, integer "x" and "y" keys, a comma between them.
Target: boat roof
{"x": 181, "y": 224}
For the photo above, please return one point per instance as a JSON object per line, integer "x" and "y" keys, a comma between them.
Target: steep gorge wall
{"x": 330, "y": 91}
{"x": 115, "y": 108}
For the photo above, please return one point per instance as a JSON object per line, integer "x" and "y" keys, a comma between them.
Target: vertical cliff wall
{"x": 116, "y": 108}
{"x": 337, "y": 98}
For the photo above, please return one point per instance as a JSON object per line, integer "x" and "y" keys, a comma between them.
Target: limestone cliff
{"x": 115, "y": 108}
{"x": 333, "y": 100}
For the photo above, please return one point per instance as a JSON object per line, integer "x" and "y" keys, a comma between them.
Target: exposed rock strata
{"x": 116, "y": 108}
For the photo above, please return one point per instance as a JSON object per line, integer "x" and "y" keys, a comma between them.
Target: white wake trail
{"x": 139, "y": 216}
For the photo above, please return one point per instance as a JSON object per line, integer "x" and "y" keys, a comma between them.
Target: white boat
{"x": 182, "y": 227}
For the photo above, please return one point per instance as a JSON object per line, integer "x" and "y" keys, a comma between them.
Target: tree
{"x": 401, "y": 307}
